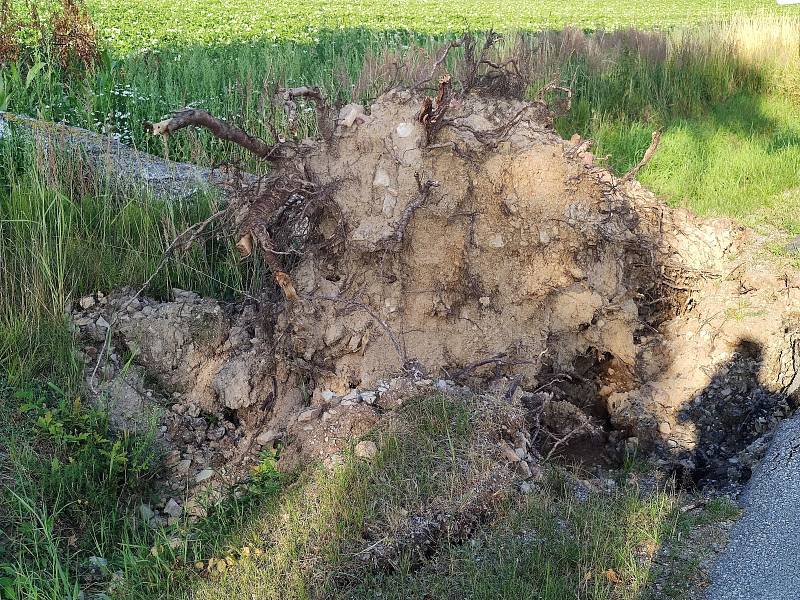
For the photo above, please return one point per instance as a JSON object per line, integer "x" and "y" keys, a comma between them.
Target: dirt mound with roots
{"x": 496, "y": 256}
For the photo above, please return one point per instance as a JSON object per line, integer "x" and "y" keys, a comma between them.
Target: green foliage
{"x": 729, "y": 147}
{"x": 74, "y": 492}
{"x": 139, "y": 25}
{"x": 740, "y": 159}
{"x": 78, "y": 432}
{"x": 721, "y": 98}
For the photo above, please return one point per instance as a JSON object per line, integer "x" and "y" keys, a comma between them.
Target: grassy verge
{"x": 318, "y": 539}
{"x": 71, "y": 506}
{"x": 73, "y": 524}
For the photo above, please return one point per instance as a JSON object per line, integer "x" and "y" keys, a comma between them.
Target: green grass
{"x": 73, "y": 487}
{"x": 60, "y": 240}
{"x": 741, "y": 160}
{"x": 72, "y": 490}
{"x": 542, "y": 545}
{"x": 725, "y": 96}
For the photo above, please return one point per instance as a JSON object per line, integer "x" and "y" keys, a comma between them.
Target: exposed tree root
{"x": 648, "y": 154}
{"x": 464, "y": 233}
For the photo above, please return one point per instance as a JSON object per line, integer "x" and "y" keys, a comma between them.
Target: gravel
{"x": 762, "y": 561}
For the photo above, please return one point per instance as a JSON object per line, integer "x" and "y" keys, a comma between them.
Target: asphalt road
{"x": 762, "y": 561}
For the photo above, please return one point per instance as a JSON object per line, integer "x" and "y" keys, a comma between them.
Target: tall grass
{"x": 628, "y": 74}
{"x": 625, "y": 82}
{"x": 60, "y": 239}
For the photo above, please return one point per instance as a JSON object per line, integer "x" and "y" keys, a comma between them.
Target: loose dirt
{"x": 523, "y": 270}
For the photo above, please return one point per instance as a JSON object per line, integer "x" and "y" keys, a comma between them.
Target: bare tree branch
{"x": 288, "y": 96}
{"x": 454, "y": 44}
{"x": 219, "y": 128}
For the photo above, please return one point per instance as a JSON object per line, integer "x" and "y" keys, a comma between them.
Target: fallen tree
{"x": 453, "y": 236}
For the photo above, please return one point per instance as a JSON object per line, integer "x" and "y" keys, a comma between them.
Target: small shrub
{"x": 74, "y": 36}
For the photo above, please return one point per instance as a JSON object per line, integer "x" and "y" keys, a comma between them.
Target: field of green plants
{"x": 139, "y": 24}
{"x": 721, "y": 79}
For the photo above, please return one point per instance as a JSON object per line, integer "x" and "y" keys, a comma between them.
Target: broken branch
{"x": 555, "y": 86}
{"x": 585, "y": 426}
{"x": 289, "y": 95}
{"x": 219, "y": 128}
{"x": 431, "y": 113}
{"x": 454, "y": 44}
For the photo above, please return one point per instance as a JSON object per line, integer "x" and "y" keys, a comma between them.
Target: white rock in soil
{"x": 368, "y": 397}
{"x": 381, "y": 179}
{"x": 333, "y": 333}
{"x": 86, "y": 302}
{"x": 520, "y": 452}
{"x": 664, "y": 427}
{"x": 389, "y": 204}
{"x": 265, "y": 437}
{"x": 173, "y": 509}
{"x": 101, "y": 322}
{"x": 351, "y": 114}
{"x": 328, "y": 395}
{"x": 404, "y": 130}
{"x": 351, "y": 395}
{"x": 366, "y": 449}
{"x": 204, "y": 474}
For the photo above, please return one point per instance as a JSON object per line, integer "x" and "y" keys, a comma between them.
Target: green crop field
{"x": 137, "y": 24}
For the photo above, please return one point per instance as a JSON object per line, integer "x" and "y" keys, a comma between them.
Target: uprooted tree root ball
{"x": 457, "y": 243}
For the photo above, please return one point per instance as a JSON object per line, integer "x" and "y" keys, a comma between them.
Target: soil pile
{"x": 497, "y": 256}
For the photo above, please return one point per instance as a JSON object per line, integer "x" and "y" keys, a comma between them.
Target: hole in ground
{"x": 569, "y": 414}
{"x": 731, "y": 416}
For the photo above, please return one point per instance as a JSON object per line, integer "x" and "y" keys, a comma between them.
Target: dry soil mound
{"x": 521, "y": 268}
